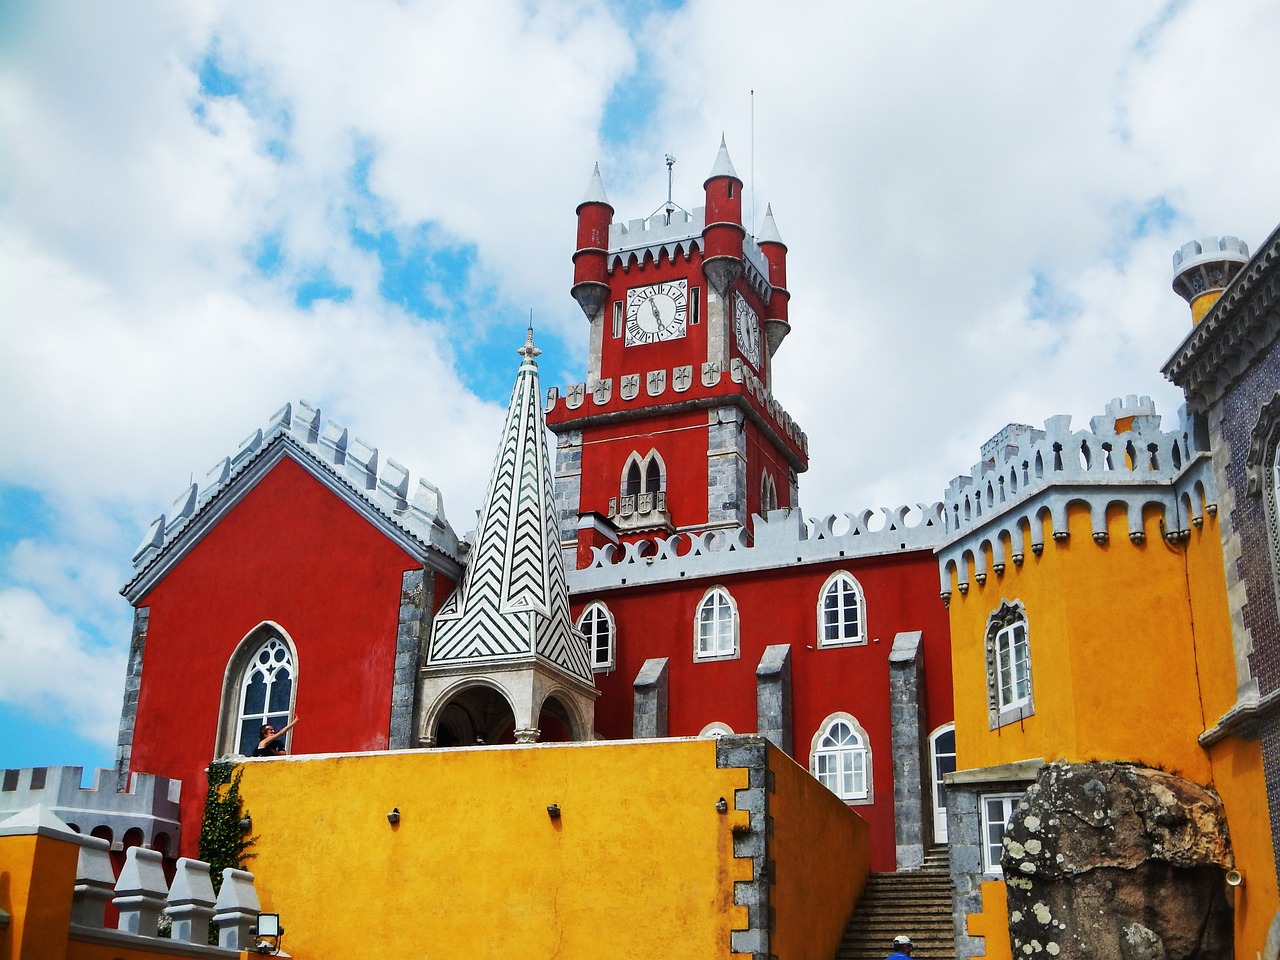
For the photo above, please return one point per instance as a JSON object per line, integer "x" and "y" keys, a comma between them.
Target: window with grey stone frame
{"x": 1003, "y": 673}
{"x": 997, "y": 809}
{"x": 1262, "y": 478}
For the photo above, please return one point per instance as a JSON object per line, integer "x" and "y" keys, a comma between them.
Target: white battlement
{"x": 654, "y": 237}
{"x": 1209, "y": 249}
{"x": 1027, "y": 475}
{"x": 354, "y": 462}
{"x": 783, "y": 539}
{"x": 150, "y": 805}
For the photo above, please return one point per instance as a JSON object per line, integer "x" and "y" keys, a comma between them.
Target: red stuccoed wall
{"x": 780, "y": 606}
{"x": 294, "y": 553}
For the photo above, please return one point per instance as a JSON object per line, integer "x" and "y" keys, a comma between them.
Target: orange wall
{"x": 823, "y": 859}
{"x": 640, "y": 861}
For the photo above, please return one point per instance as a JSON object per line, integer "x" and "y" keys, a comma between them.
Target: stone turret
{"x": 1203, "y": 268}
{"x": 723, "y": 234}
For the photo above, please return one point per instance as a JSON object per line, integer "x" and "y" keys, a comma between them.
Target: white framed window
{"x": 1008, "y": 651}
{"x": 715, "y": 627}
{"x": 1014, "y": 665}
{"x": 715, "y": 730}
{"x": 266, "y": 693}
{"x": 597, "y": 625}
{"x": 841, "y": 612}
{"x": 942, "y": 761}
{"x": 840, "y": 758}
{"x": 997, "y": 811}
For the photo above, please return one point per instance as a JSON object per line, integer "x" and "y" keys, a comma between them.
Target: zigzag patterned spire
{"x": 513, "y": 603}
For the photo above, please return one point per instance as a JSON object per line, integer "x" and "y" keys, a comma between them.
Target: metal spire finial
{"x": 529, "y": 351}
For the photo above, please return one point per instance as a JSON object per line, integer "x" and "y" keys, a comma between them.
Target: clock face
{"x": 657, "y": 312}
{"x": 746, "y": 328}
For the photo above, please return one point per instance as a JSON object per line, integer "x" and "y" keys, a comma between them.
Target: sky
{"x": 210, "y": 208}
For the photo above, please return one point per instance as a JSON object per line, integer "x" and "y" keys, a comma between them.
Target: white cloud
{"x": 928, "y": 165}
{"x": 52, "y": 671}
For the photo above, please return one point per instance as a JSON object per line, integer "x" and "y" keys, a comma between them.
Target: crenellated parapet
{"x": 1028, "y": 476}
{"x": 783, "y": 539}
{"x": 683, "y": 386}
{"x": 150, "y": 805}
{"x": 352, "y": 467}
{"x": 635, "y": 241}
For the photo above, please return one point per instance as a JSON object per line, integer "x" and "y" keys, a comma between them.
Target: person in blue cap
{"x": 901, "y": 949}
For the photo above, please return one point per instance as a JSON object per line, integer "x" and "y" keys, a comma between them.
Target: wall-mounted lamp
{"x": 268, "y": 934}
{"x": 1235, "y": 878}
{"x": 394, "y": 816}
{"x": 246, "y": 824}
{"x": 722, "y": 805}
{"x": 553, "y": 811}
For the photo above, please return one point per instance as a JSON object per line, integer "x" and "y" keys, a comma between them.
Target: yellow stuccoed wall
{"x": 1131, "y": 659}
{"x": 639, "y": 864}
{"x": 821, "y": 853}
{"x": 34, "y": 871}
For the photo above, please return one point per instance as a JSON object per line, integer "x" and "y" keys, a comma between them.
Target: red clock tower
{"x": 676, "y": 427}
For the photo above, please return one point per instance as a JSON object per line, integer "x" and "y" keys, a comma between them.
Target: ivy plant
{"x": 223, "y": 840}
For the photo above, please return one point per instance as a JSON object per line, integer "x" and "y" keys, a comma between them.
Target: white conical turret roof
{"x": 768, "y": 228}
{"x": 723, "y": 166}
{"x": 595, "y": 189}
{"x": 513, "y": 603}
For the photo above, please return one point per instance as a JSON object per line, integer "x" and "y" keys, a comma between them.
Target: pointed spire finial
{"x": 529, "y": 351}
{"x": 595, "y": 188}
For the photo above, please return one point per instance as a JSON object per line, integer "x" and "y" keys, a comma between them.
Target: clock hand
{"x": 654, "y": 307}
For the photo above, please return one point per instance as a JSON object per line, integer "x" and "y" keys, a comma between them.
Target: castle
{"x": 648, "y": 640}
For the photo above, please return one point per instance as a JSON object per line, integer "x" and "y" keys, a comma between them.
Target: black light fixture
{"x": 246, "y": 823}
{"x": 268, "y": 934}
{"x": 722, "y": 805}
{"x": 394, "y": 816}
{"x": 553, "y": 811}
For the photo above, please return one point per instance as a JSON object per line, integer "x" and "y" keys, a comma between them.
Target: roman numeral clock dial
{"x": 657, "y": 312}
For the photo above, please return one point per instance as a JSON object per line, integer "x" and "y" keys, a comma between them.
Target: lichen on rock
{"x": 1123, "y": 861}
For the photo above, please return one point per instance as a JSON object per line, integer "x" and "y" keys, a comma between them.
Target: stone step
{"x": 915, "y": 903}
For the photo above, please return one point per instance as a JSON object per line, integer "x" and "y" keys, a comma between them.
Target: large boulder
{"x": 1115, "y": 860}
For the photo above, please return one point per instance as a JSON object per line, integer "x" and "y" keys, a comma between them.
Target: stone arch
{"x": 470, "y": 708}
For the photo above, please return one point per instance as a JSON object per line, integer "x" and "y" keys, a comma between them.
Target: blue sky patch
{"x": 321, "y": 286}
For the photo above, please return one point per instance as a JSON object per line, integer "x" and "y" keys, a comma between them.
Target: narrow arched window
{"x": 841, "y": 612}
{"x": 596, "y": 624}
{"x": 768, "y": 494}
{"x": 840, "y": 758}
{"x": 266, "y": 693}
{"x": 652, "y": 477}
{"x": 632, "y": 486}
{"x": 716, "y": 626}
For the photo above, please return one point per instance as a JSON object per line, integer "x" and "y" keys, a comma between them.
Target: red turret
{"x": 723, "y": 233}
{"x": 776, "y": 323}
{"x": 590, "y": 261}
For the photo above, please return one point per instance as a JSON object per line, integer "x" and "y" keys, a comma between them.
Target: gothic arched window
{"x": 841, "y": 612}
{"x": 840, "y": 758}
{"x": 259, "y": 687}
{"x": 716, "y": 626}
{"x": 768, "y": 494}
{"x": 596, "y": 624}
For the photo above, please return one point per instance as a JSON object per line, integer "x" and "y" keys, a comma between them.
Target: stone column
{"x": 236, "y": 911}
{"x": 906, "y": 715}
{"x": 727, "y": 468}
{"x": 417, "y": 595}
{"x": 140, "y": 892}
{"x": 773, "y": 696}
{"x": 132, "y": 684}
{"x": 649, "y": 715}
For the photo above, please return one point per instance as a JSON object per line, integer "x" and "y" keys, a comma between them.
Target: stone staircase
{"x": 917, "y": 904}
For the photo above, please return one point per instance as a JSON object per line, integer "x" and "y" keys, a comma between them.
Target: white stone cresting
{"x": 1028, "y": 474}
{"x": 680, "y": 380}
{"x": 784, "y": 538}
{"x": 637, "y": 240}
{"x": 353, "y": 468}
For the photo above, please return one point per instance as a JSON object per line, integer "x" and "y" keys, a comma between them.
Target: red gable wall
{"x": 294, "y": 553}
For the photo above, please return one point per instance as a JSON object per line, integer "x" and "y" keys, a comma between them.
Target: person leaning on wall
{"x": 272, "y": 742}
